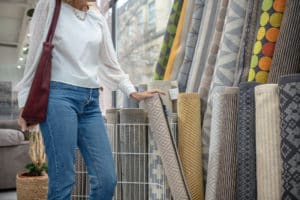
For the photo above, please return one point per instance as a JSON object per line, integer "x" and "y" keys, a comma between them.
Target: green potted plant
{"x": 33, "y": 183}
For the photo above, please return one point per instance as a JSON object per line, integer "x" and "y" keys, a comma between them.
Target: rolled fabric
{"x": 212, "y": 54}
{"x": 286, "y": 58}
{"x": 177, "y": 40}
{"x": 215, "y": 146}
{"x": 167, "y": 148}
{"x": 289, "y": 93}
{"x": 266, "y": 37}
{"x": 247, "y": 42}
{"x": 164, "y": 86}
{"x": 168, "y": 40}
{"x": 183, "y": 40}
{"x": 133, "y": 145}
{"x": 207, "y": 27}
{"x": 230, "y": 44}
{"x": 190, "y": 44}
{"x": 225, "y": 63}
{"x": 268, "y": 161}
{"x": 227, "y": 183}
{"x": 189, "y": 142}
{"x": 246, "y": 152}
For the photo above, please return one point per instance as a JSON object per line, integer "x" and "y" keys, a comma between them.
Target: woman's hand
{"x": 144, "y": 95}
{"x": 21, "y": 121}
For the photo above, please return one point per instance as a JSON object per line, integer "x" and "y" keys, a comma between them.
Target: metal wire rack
{"x": 138, "y": 165}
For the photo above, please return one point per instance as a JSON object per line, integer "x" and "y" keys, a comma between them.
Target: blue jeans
{"x": 74, "y": 120}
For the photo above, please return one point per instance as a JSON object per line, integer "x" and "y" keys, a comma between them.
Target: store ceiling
{"x": 13, "y": 21}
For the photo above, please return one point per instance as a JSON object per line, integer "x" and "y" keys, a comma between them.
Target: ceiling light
{"x": 19, "y": 67}
{"x": 21, "y": 59}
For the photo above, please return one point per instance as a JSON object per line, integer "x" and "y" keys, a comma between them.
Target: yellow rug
{"x": 189, "y": 142}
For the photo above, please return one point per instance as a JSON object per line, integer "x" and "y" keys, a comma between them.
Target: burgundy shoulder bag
{"x": 37, "y": 102}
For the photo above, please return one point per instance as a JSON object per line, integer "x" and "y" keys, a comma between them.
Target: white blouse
{"x": 83, "y": 53}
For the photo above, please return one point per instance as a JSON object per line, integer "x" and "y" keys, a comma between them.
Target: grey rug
{"x": 289, "y": 101}
{"x": 227, "y": 183}
{"x": 212, "y": 55}
{"x": 132, "y": 153}
{"x": 222, "y": 181}
{"x": 207, "y": 27}
{"x": 215, "y": 146}
{"x": 190, "y": 44}
{"x": 286, "y": 59}
{"x": 225, "y": 63}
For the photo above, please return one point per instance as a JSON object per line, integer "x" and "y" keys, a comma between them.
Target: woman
{"x": 83, "y": 56}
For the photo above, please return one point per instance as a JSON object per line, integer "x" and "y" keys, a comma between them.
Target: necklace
{"x": 79, "y": 15}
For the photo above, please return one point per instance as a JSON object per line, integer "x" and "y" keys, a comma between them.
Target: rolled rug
{"x": 207, "y": 27}
{"x": 227, "y": 182}
{"x": 215, "y": 146}
{"x": 268, "y": 161}
{"x": 225, "y": 63}
{"x": 266, "y": 38}
{"x": 178, "y": 40}
{"x": 183, "y": 39}
{"x": 167, "y": 148}
{"x": 168, "y": 40}
{"x": 247, "y": 42}
{"x": 189, "y": 142}
{"x": 246, "y": 153}
{"x": 190, "y": 44}
{"x": 211, "y": 58}
{"x": 286, "y": 58}
{"x": 133, "y": 146}
{"x": 289, "y": 93}
{"x": 230, "y": 44}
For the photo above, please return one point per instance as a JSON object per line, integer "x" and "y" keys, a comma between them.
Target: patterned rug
{"x": 190, "y": 44}
{"x": 167, "y": 148}
{"x": 246, "y": 153}
{"x": 289, "y": 97}
{"x": 267, "y": 34}
{"x": 168, "y": 40}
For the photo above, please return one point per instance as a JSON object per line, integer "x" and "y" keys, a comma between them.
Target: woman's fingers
{"x": 154, "y": 91}
{"x": 22, "y": 123}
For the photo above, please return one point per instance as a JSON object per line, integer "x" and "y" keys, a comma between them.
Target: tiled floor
{"x": 8, "y": 195}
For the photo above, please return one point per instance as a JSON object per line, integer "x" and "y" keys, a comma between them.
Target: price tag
{"x": 173, "y": 93}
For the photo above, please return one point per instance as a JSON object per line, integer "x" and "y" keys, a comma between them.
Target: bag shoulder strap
{"x": 54, "y": 22}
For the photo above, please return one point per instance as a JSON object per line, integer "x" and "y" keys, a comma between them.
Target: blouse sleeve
{"x": 36, "y": 31}
{"x": 112, "y": 74}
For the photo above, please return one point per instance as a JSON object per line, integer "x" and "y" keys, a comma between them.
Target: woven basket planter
{"x": 32, "y": 187}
